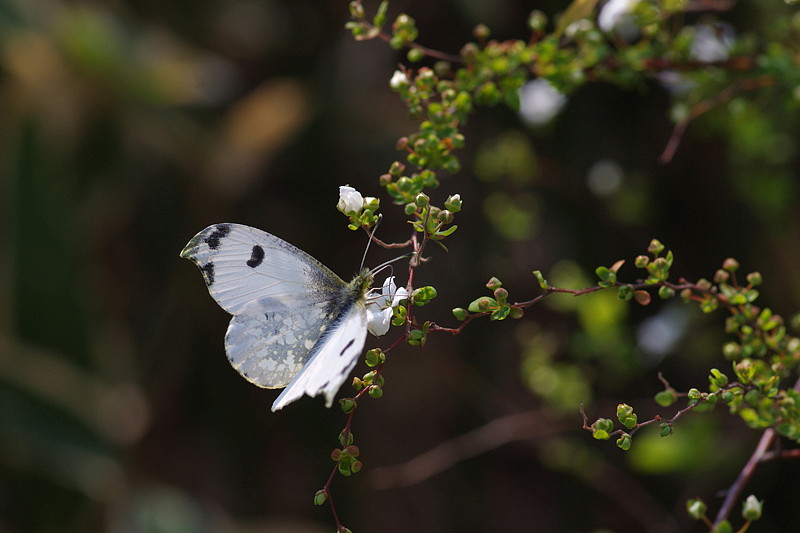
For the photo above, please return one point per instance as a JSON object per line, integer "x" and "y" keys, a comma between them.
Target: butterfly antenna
{"x": 390, "y": 261}
{"x": 371, "y": 236}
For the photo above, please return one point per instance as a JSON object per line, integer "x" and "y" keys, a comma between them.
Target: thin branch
{"x": 492, "y": 435}
{"x": 760, "y": 455}
{"x": 735, "y": 491}
{"x": 709, "y": 104}
{"x": 425, "y": 50}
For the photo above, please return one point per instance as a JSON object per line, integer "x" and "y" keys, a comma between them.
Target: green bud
{"x": 624, "y": 442}
{"x": 602, "y": 428}
{"x": 730, "y": 264}
{"x": 375, "y": 392}
{"x": 415, "y": 55}
{"x": 721, "y": 276}
{"x": 352, "y": 450}
{"x": 346, "y": 438}
{"x": 500, "y": 294}
{"x": 336, "y": 454}
{"x": 544, "y": 285}
{"x": 356, "y": 467}
{"x": 723, "y": 527}
{"x": 641, "y": 261}
{"x": 445, "y": 216}
{"x": 745, "y": 371}
{"x": 625, "y": 293}
{"x": 356, "y": 10}
{"x": 655, "y": 247}
{"x": 374, "y": 357}
{"x": 320, "y": 497}
{"x": 754, "y": 279}
{"x": 626, "y": 416}
{"x": 423, "y": 295}
{"x": 696, "y": 508}
{"x": 344, "y": 468}
{"x": 347, "y": 405}
{"x": 416, "y": 337}
{"x": 665, "y": 398}
{"x": 397, "y": 168}
{"x": 665, "y": 293}
{"x": 516, "y": 313}
{"x": 665, "y": 429}
{"x": 422, "y": 200}
{"x": 727, "y": 396}
{"x": 460, "y": 313}
{"x": 717, "y": 379}
{"x": 537, "y": 21}
{"x": 453, "y": 203}
{"x": 694, "y": 394}
{"x": 482, "y": 304}
{"x": 731, "y": 350}
{"x": 404, "y": 184}
{"x": 493, "y": 284}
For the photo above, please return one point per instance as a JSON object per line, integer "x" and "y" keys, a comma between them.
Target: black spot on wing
{"x": 220, "y": 232}
{"x": 256, "y": 257}
{"x": 349, "y": 344}
{"x": 208, "y": 273}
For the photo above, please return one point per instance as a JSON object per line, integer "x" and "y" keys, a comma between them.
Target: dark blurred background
{"x": 129, "y": 126}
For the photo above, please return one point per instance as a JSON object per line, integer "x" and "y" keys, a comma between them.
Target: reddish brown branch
{"x": 704, "y": 106}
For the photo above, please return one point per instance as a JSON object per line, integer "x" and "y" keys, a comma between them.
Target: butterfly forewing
{"x": 248, "y": 271}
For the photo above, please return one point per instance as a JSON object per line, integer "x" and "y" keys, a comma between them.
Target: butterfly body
{"x": 295, "y": 324}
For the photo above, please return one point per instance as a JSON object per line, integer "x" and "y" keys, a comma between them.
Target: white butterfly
{"x": 295, "y": 323}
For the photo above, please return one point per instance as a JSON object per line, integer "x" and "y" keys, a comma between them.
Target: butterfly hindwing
{"x": 294, "y": 322}
{"x": 331, "y": 360}
{"x": 268, "y": 349}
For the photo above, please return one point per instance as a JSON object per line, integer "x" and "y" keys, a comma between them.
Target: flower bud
{"x": 730, "y": 264}
{"x": 453, "y": 203}
{"x": 751, "y": 509}
{"x": 399, "y": 81}
{"x": 350, "y": 200}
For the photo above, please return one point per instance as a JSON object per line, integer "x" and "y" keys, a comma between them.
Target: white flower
{"x": 399, "y": 80}
{"x": 350, "y": 200}
{"x": 616, "y": 16}
{"x": 711, "y": 43}
{"x": 539, "y": 102}
{"x": 379, "y": 306}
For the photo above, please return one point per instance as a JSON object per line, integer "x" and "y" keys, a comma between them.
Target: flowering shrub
{"x": 623, "y": 42}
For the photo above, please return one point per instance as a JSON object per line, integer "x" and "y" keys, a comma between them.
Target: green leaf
{"x": 577, "y": 10}
{"x": 380, "y": 15}
{"x": 482, "y": 304}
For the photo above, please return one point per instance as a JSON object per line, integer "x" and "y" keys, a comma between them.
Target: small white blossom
{"x": 616, "y": 16}
{"x": 379, "y": 306}
{"x": 711, "y": 43}
{"x": 539, "y": 102}
{"x": 399, "y": 80}
{"x": 350, "y": 200}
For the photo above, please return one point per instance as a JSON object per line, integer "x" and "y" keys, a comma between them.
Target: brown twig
{"x": 709, "y": 104}
{"x": 734, "y": 492}
{"x": 760, "y": 455}
{"x": 492, "y": 435}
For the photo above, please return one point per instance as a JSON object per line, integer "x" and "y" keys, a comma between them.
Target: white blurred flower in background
{"x": 539, "y": 102}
